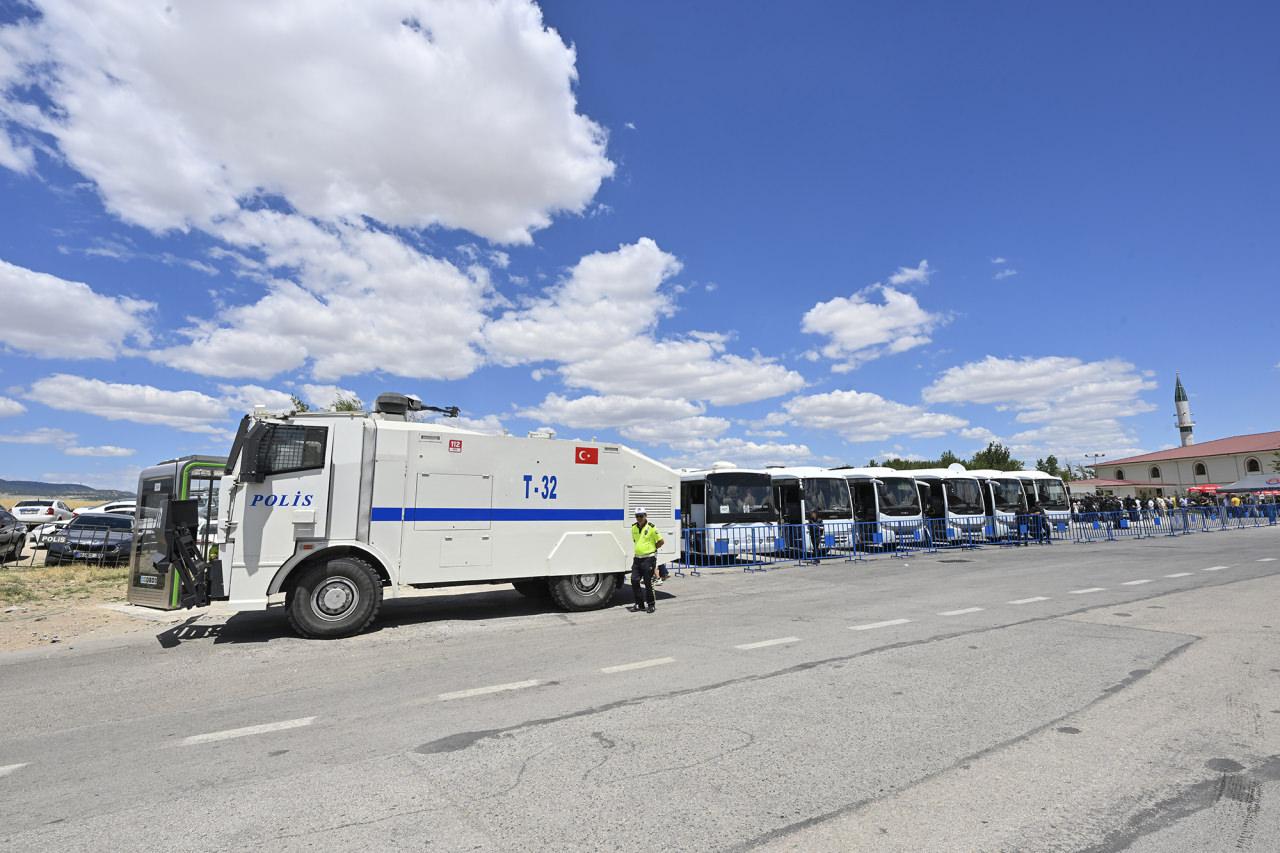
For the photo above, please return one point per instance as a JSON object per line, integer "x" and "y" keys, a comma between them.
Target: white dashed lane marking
{"x": 1267, "y": 560}
{"x": 1087, "y": 589}
{"x": 1030, "y": 600}
{"x": 1138, "y": 582}
{"x": 640, "y": 664}
{"x": 11, "y": 768}
{"x": 885, "y": 624}
{"x": 960, "y": 612}
{"x": 1216, "y": 568}
{"x": 485, "y": 691}
{"x": 229, "y": 734}
{"x": 1179, "y": 575}
{"x": 765, "y": 643}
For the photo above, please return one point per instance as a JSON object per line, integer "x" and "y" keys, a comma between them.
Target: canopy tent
{"x": 1254, "y": 483}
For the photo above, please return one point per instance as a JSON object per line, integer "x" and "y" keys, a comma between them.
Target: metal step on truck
{"x": 329, "y": 513}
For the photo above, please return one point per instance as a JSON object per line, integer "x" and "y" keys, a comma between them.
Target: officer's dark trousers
{"x": 642, "y": 570}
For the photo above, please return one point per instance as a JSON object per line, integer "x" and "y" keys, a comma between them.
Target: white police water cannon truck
{"x": 335, "y": 511}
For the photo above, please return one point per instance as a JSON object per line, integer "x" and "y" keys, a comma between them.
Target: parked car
{"x": 13, "y": 537}
{"x": 33, "y": 512}
{"x": 125, "y": 507}
{"x": 101, "y": 538}
{"x": 39, "y": 536}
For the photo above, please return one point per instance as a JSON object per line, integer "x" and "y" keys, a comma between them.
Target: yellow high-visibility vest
{"x": 645, "y": 541}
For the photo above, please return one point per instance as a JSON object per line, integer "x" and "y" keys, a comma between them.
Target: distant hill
{"x": 36, "y": 489}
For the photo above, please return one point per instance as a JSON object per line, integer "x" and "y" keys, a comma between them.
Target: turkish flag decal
{"x": 587, "y": 456}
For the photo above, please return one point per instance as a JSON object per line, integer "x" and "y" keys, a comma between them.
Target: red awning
{"x": 1208, "y": 489}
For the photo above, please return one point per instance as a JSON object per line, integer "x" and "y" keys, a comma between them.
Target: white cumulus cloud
{"x": 1072, "y": 406}
{"x": 190, "y": 411}
{"x": 600, "y": 326}
{"x": 412, "y": 112}
{"x": 51, "y": 317}
{"x": 100, "y": 450}
{"x": 10, "y": 407}
{"x": 919, "y": 274}
{"x": 863, "y": 416}
{"x": 40, "y": 435}
{"x": 607, "y": 411}
{"x": 874, "y": 322}
{"x": 358, "y": 299}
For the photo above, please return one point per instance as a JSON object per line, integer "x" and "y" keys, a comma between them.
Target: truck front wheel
{"x": 583, "y": 592}
{"x": 336, "y": 598}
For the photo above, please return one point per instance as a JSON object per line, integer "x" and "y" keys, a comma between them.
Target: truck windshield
{"x": 1008, "y": 495}
{"x": 898, "y": 496}
{"x": 829, "y": 496}
{"x": 740, "y": 497}
{"x": 964, "y": 496}
{"x": 1052, "y": 495}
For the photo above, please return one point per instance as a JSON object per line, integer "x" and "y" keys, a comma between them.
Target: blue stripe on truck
{"x": 412, "y": 513}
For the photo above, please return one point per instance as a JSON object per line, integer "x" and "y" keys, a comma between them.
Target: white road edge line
{"x": 1267, "y": 560}
{"x": 1030, "y": 600}
{"x": 1137, "y": 582}
{"x": 1179, "y": 575}
{"x": 885, "y": 624}
{"x": 484, "y": 691}
{"x": 765, "y": 643}
{"x": 1216, "y": 568}
{"x": 960, "y": 612}
{"x": 246, "y": 731}
{"x": 11, "y": 768}
{"x": 1087, "y": 589}
{"x": 640, "y": 664}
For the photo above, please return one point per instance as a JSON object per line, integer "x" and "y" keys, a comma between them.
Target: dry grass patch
{"x": 69, "y": 583}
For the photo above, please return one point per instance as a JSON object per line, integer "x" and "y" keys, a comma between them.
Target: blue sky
{"x": 762, "y": 233}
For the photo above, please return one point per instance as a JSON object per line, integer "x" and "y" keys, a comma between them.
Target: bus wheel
{"x": 583, "y": 592}
{"x": 535, "y": 588}
{"x": 336, "y": 598}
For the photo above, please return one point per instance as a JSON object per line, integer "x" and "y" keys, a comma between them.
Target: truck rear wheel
{"x": 535, "y": 588}
{"x": 336, "y": 598}
{"x": 583, "y": 592}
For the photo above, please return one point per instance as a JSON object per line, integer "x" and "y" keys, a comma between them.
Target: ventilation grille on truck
{"x": 658, "y": 500}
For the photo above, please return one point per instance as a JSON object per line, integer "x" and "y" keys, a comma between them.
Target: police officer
{"x": 647, "y": 540}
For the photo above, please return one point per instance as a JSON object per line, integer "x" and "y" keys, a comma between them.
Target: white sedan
{"x": 115, "y": 507}
{"x": 41, "y": 511}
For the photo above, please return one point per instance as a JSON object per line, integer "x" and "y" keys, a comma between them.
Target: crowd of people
{"x": 1243, "y": 505}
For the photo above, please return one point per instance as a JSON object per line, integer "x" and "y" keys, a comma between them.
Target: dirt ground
{"x": 41, "y": 606}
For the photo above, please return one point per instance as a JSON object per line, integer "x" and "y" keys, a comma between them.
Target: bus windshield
{"x": 1008, "y": 495}
{"x": 1052, "y": 495}
{"x": 740, "y": 497}
{"x": 828, "y": 496}
{"x": 964, "y": 496}
{"x": 898, "y": 496}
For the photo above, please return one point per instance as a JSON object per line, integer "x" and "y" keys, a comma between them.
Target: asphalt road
{"x": 1114, "y": 696}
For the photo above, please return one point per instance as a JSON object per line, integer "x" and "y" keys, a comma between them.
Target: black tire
{"x": 583, "y": 592}
{"x": 535, "y": 588}
{"x": 336, "y": 598}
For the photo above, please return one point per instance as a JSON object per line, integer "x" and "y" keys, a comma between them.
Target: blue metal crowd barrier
{"x": 761, "y": 546}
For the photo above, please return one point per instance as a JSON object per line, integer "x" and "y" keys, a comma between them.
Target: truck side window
{"x": 287, "y": 448}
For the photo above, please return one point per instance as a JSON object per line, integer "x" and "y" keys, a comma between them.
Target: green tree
{"x": 1049, "y": 465}
{"x": 996, "y": 457}
{"x": 347, "y": 403}
{"x": 948, "y": 458}
{"x": 298, "y": 405}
